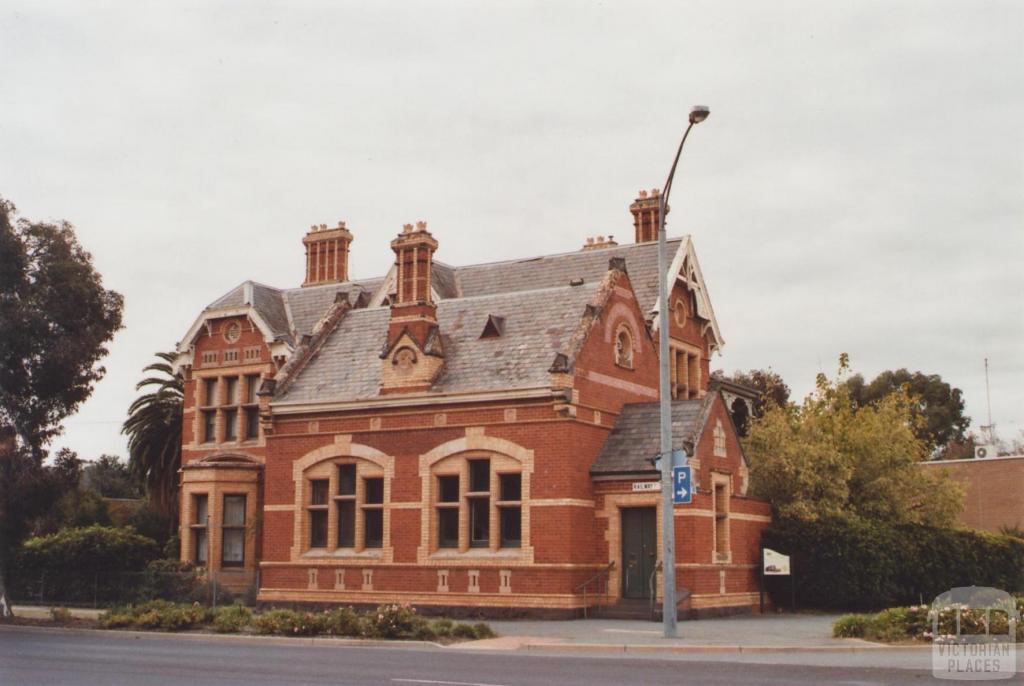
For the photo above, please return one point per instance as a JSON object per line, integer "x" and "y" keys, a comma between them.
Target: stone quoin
{"x": 475, "y": 437}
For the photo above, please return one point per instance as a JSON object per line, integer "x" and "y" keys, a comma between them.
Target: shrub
{"x": 343, "y": 621}
{"x": 169, "y": 580}
{"x": 232, "y": 620}
{"x": 442, "y": 627}
{"x": 394, "y": 621}
{"x": 483, "y": 630}
{"x": 60, "y": 614}
{"x": 156, "y": 614}
{"x": 856, "y": 564}
{"x": 463, "y": 631}
{"x": 290, "y": 623}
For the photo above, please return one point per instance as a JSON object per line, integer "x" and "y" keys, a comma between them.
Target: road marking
{"x": 445, "y": 683}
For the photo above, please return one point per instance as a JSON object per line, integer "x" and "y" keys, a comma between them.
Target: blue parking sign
{"x": 682, "y": 490}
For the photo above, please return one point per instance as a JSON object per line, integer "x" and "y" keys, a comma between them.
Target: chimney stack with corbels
{"x": 326, "y": 254}
{"x": 413, "y": 354}
{"x": 645, "y": 215}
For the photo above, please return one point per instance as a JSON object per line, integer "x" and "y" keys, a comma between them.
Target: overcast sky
{"x": 859, "y": 186}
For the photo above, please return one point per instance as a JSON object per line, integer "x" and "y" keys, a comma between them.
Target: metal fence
{"x": 105, "y": 587}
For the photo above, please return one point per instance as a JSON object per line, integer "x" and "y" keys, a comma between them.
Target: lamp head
{"x": 698, "y": 114}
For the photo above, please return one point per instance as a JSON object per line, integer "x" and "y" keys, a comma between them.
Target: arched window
{"x": 345, "y": 505}
{"x": 624, "y": 347}
{"x": 477, "y": 502}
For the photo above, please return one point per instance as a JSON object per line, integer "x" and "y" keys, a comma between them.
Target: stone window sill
{"x": 344, "y": 553}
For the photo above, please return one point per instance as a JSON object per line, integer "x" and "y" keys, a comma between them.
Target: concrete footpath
{"x": 769, "y": 633}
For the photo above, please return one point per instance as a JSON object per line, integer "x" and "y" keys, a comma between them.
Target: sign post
{"x": 682, "y": 485}
{"x": 774, "y": 563}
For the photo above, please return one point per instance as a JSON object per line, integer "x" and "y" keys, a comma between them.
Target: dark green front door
{"x": 639, "y": 550}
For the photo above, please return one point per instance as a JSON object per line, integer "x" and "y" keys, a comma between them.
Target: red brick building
{"x": 993, "y": 490}
{"x": 474, "y": 436}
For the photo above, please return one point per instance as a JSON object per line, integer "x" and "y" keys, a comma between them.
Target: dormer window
{"x": 494, "y": 328}
{"x": 624, "y": 348}
{"x": 404, "y": 360}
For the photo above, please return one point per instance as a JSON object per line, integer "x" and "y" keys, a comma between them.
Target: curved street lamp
{"x": 668, "y": 537}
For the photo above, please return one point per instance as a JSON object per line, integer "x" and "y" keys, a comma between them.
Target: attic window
{"x": 494, "y": 328}
{"x": 624, "y": 347}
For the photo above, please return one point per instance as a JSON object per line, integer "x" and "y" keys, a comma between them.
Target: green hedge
{"x": 857, "y": 565}
{"x": 88, "y": 564}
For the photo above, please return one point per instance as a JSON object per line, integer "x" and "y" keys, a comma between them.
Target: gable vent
{"x": 494, "y": 328}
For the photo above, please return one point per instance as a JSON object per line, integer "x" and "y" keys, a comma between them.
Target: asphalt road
{"x": 81, "y": 659}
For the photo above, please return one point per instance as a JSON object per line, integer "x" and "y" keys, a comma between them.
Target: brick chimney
{"x": 599, "y": 242}
{"x": 645, "y": 215}
{"x": 326, "y": 254}
{"x": 413, "y": 354}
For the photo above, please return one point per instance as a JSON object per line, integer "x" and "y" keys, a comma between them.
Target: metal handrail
{"x": 654, "y": 589}
{"x": 602, "y": 575}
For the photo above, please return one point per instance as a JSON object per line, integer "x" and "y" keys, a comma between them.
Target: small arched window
{"x": 624, "y": 347}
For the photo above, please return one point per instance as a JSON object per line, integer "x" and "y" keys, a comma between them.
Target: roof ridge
{"x": 602, "y": 251}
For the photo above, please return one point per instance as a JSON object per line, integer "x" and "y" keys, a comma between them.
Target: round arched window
{"x": 624, "y": 348}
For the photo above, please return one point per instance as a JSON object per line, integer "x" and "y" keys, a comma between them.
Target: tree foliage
{"x": 772, "y": 392}
{"x": 111, "y": 478}
{"x": 56, "y": 319}
{"x": 153, "y": 428}
{"x": 938, "y": 408}
{"x": 834, "y": 457}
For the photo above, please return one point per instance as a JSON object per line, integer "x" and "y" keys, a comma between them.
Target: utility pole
{"x": 668, "y": 523}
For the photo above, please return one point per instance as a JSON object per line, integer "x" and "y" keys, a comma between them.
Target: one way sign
{"x": 682, "y": 492}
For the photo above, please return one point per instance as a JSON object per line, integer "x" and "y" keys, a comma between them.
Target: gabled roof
{"x": 636, "y": 436}
{"x": 538, "y": 324}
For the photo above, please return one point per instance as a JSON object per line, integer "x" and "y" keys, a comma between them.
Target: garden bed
{"x": 389, "y": 622}
{"x": 921, "y": 624}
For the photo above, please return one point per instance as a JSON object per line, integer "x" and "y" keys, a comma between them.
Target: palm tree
{"x": 153, "y": 428}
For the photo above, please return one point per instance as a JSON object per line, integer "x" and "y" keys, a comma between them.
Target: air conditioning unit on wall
{"x": 983, "y": 451}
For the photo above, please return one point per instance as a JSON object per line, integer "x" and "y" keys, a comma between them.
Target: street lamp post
{"x": 668, "y": 537}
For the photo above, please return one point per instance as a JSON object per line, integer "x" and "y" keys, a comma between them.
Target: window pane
{"x": 511, "y": 487}
{"x": 232, "y": 390}
{"x": 373, "y": 528}
{"x": 480, "y": 522}
{"x": 210, "y": 393}
{"x": 346, "y": 524}
{"x": 318, "y": 494}
{"x": 318, "y": 529}
{"x": 347, "y": 479}
{"x": 230, "y": 425}
{"x": 511, "y": 527}
{"x": 448, "y": 489}
{"x": 374, "y": 491}
{"x": 233, "y": 549}
{"x": 448, "y": 527}
{"x": 252, "y": 423}
{"x": 201, "y": 508}
{"x": 252, "y": 384}
{"x": 201, "y": 550}
{"x": 209, "y": 426}
{"x": 479, "y": 476}
{"x": 234, "y": 510}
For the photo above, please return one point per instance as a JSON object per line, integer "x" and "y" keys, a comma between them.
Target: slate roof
{"x": 557, "y": 270}
{"x": 636, "y": 439}
{"x": 538, "y": 324}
